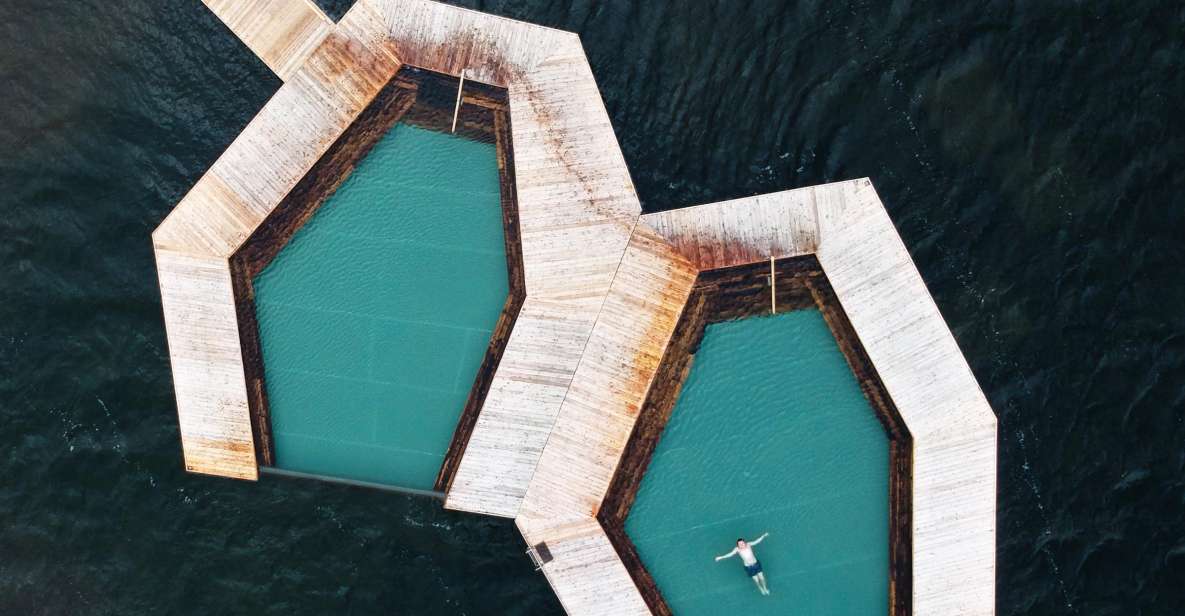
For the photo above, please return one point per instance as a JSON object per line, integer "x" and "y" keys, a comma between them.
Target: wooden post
{"x": 457, "y": 108}
{"x": 773, "y": 288}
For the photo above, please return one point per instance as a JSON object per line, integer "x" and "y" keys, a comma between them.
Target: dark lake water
{"x": 1030, "y": 154}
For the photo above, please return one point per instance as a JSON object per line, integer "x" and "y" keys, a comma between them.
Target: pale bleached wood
{"x": 281, "y": 32}
{"x": 954, "y": 522}
{"x": 615, "y": 372}
{"x": 742, "y": 231}
{"x": 517, "y": 416}
{"x": 577, "y": 204}
{"x": 896, "y": 318}
{"x": 449, "y": 39}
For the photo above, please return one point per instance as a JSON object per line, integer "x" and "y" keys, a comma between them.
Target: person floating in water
{"x": 752, "y": 565}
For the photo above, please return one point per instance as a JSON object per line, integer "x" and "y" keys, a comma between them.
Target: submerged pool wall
{"x": 419, "y": 98}
{"x": 735, "y": 293}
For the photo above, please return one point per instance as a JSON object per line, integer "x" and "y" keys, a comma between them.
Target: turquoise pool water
{"x": 771, "y": 433}
{"x": 375, "y": 317}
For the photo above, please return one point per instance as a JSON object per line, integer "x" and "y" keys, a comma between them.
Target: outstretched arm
{"x": 759, "y": 539}
{"x": 728, "y": 555}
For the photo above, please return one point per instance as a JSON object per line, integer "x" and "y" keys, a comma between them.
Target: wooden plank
{"x": 449, "y": 39}
{"x": 611, "y": 381}
{"x": 208, "y": 377}
{"x": 585, "y": 572}
{"x": 742, "y": 231}
{"x": 275, "y": 150}
{"x": 547, "y": 348}
{"x": 577, "y": 201}
{"x": 954, "y": 534}
{"x": 520, "y": 407}
{"x": 919, "y": 362}
{"x": 896, "y": 318}
{"x": 281, "y": 32}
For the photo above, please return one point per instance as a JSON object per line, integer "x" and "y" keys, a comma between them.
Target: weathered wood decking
{"x": 605, "y": 287}
{"x": 846, "y": 227}
{"x": 281, "y": 32}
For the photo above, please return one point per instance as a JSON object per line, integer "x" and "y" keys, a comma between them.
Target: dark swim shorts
{"x": 753, "y": 569}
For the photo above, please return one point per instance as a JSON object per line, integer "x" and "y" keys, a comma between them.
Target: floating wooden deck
{"x": 847, "y": 229}
{"x": 605, "y": 288}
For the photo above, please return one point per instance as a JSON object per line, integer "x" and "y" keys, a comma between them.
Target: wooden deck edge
{"x": 635, "y": 458}
{"x": 553, "y": 67}
{"x": 448, "y": 38}
{"x": 900, "y": 442}
{"x": 222, "y": 456}
{"x": 417, "y": 97}
{"x": 252, "y": 352}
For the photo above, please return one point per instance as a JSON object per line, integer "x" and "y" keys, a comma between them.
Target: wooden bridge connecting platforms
{"x": 605, "y": 286}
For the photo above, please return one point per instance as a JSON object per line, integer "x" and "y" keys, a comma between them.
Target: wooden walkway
{"x": 605, "y": 287}
{"x": 318, "y": 100}
{"x": 953, "y": 427}
{"x": 576, "y": 206}
{"x": 587, "y": 574}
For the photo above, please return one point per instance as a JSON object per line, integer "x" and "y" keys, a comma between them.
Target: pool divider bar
{"x": 773, "y": 286}
{"x": 457, "y": 107}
